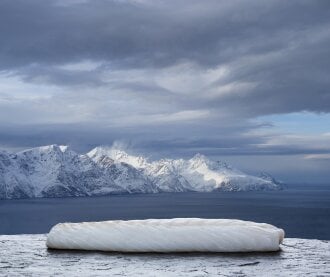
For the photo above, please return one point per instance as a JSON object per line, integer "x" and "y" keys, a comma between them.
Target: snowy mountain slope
{"x": 124, "y": 174}
{"x": 196, "y": 174}
{"x": 160, "y": 173}
{"x": 52, "y": 171}
{"x": 57, "y": 171}
{"x": 206, "y": 175}
{"x": 13, "y": 183}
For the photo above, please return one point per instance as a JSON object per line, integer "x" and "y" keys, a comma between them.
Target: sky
{"x": 246, "y": 82}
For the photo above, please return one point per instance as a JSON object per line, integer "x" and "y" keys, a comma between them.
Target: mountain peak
{"x": 46, "y": 148}
{"x": 118, "y": 155}
{"x": 199, "y": 160}
{"x": 110, "y": 152}
{"x": 98, "y": 151}
{"x": 199, "y": 156}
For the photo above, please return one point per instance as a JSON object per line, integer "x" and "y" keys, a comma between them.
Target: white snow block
{"x": 167, "y": 235}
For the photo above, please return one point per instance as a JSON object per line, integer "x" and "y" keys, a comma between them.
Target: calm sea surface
{"x": 302, "y": 210}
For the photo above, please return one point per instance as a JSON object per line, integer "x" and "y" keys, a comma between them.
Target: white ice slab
{"x": 167, "y": 235}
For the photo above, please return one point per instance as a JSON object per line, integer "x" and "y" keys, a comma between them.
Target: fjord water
{"x": 301, "y": 210}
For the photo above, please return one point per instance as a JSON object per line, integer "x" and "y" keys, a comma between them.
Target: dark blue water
{"x": 303, "y": 211}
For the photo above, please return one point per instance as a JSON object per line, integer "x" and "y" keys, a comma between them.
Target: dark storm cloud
{"x": 151, "y": 33}
{"x": 282, "y": 47}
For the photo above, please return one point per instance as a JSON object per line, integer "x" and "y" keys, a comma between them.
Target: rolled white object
{"x": 167, "y": 235}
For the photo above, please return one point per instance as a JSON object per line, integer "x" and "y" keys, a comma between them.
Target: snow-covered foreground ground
{"x": 26, "y": 255}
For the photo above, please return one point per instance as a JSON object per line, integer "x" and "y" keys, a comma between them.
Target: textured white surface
{"x": 167, "y": 235}
{"x": 26, "y": 255}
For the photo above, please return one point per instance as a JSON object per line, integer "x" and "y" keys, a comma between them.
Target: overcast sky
{"x": 243, "y": 81}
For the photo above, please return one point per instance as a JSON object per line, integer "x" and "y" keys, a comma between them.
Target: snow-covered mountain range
{"x": 57, "y": 171}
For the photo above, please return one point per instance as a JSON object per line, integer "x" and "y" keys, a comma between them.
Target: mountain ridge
{"x": 58, "y": 171}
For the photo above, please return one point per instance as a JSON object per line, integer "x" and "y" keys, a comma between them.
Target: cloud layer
{"x": 168, "y": 77}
